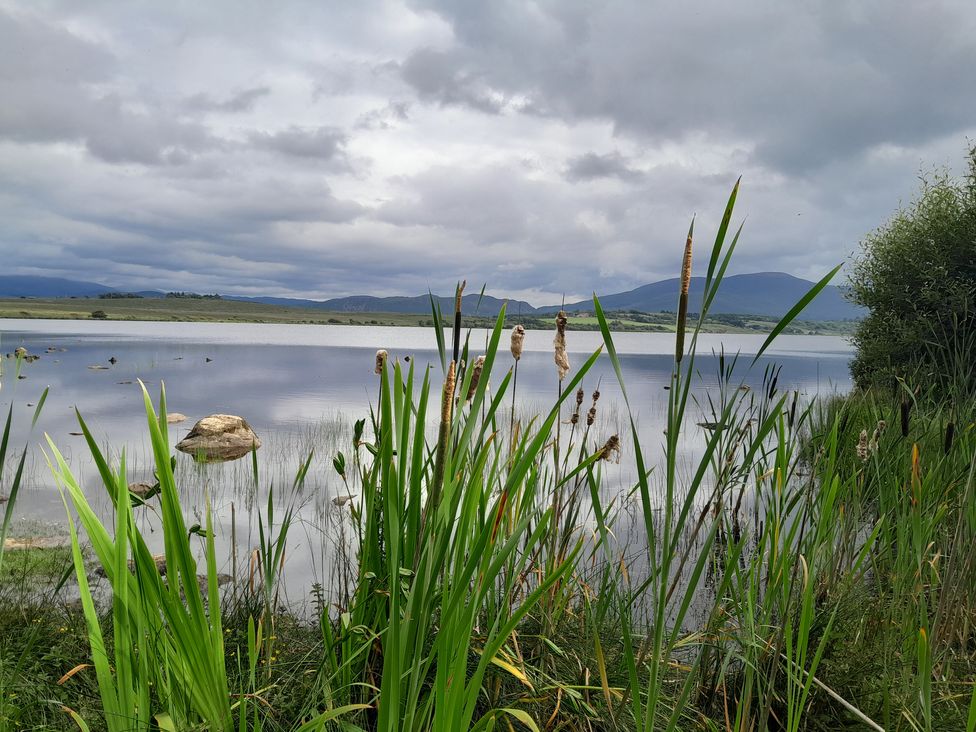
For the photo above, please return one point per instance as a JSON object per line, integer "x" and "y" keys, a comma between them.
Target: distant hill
{"x": 420, "y": 305}
{"x": 762, "y": 293}
{"x": 30, "y": 286}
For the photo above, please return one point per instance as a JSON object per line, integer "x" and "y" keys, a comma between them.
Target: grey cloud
{"x": 322, "y": 143}
{"x": 436, "y": 76}
{"x": 384, "y": 118}
{"x": 241, "y": 101}
{"x": 591, "y": 165}
{"x": 805, "y": 85}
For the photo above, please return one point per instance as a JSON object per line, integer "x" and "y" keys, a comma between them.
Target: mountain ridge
{"x": 760, "y": 293}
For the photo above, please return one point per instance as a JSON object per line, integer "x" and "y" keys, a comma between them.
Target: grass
{"x": 811, "y": 567}
{"x": 231, "y": 311}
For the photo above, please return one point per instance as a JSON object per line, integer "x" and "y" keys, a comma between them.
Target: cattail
{"x": 381, "y": 356}
{"x": 579, "y": 398}
{"x": 949, "y": 434}
{"x": 679, "y": 341}
{"x": 610, "y": 449}
{"x": 876, "y": 436}
{"x": 458, "y": 293}
{"x": 906, "y": 407}
{"x": 559, "y": 342}
{"x": 862, "y": 447}
{"x": 479, "y": 364}
{"x": 596, "y": 396}
{"x": 518, "y": 338}
{"x": 591, "y": 416}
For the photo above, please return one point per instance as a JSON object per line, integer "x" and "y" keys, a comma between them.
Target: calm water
{"x": 301, "y": 387}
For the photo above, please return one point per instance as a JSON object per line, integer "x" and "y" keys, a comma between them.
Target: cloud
{"x": 388, "y": 146}
{"x": 321, "y": 143}
{"x": 241, "y": 101}
{"x": 591, "y": 165}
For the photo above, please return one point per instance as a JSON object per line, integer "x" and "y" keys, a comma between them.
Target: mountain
{"x": 30, "y": 286}
{"x": 472, "y": 304}
{"x": 761, "y": 293}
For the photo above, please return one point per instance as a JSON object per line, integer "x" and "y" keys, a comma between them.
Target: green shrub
{"x": 917, "y": 277}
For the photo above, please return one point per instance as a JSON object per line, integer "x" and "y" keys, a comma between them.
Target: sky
{"x": 542, "y": 148}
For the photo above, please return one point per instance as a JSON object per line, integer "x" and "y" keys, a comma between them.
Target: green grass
{"x": 231, "y": 311}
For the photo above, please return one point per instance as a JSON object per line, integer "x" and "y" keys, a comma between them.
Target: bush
{"x": 917, "y": 278}
{"x": 99, "y": 314}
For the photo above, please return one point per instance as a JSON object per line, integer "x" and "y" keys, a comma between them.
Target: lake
{"x": 301, "y": 387}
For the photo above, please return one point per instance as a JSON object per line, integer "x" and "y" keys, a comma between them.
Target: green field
{"x": 233, "y": 311}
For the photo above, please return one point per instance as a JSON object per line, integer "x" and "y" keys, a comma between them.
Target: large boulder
{"x": 219, "y": 437}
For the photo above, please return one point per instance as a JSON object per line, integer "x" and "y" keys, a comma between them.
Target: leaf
{"x": 72, "y": 672}
{"x": 796, "y": 310}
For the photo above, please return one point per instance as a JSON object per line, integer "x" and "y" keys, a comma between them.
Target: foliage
{"x": 917, "y": 277}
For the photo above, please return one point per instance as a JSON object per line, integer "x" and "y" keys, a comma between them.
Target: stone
{"x": 143, "y": 490}
{"x": 175, "y": 417}
{"x": 20, "y": 352}
{"x": 218, "y": 438}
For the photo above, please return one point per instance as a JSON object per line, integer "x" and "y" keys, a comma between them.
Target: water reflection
{"x": 301, "y": 388}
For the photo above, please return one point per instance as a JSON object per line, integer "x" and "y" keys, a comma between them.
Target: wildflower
{"x": 518, "y": 337}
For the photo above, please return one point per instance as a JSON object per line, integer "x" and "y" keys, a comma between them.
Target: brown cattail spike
{"x": 559, "y": 343}
{"x": 518, "y": 339}
{"x": 679, "y": 342}
{"x": 381, "y": 357}
{"x": 610, "y": 449}
{"x": 479, "y": 364}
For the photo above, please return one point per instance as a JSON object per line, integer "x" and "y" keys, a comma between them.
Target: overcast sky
{"x": 317, "y": 149}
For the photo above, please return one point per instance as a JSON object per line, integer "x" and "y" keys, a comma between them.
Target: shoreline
{"x": 233, "y": 311}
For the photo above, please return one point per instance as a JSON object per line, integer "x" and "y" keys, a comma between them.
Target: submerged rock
{"x": 218, "y": 438}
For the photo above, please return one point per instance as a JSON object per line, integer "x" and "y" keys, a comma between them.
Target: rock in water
{"x": 142, "y": 490}
{"x": 175, "y": 417}
{"x": 219, "y": 437}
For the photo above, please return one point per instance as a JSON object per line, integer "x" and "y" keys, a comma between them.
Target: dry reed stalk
{"x": 679, "y": 341}
{"x": 443, "y": 438}
{"x": 518, "y": 340}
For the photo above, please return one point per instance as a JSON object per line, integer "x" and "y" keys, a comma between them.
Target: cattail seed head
{"x": 862, "y": 447}
{"x": 518, "y": 338}
{"x": 596, "y": 396}
{"x": 610, "y": 449}
{"x": 381, "y": 357}
{"x": 559, "y": 343}
{"x": 579, "y": 397}
{"x": 591, "y": 416}
{"x": 479, "y": 364}
{"x": 679, "y": 341}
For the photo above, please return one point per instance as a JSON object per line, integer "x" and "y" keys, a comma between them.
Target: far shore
{"x": 233, "y": 311}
